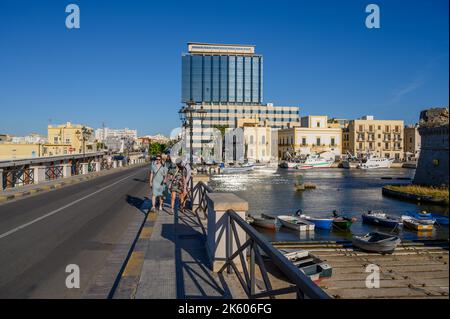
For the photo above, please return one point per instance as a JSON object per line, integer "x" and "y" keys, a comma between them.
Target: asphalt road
{"x": 79, "y": 224}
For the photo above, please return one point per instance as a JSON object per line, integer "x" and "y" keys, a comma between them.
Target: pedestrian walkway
{"x": 176, "y": 265}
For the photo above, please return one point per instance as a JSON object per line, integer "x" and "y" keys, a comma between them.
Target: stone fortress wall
{"x": 433, "y": 165}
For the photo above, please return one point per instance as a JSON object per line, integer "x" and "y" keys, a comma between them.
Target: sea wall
{"x": 433, "y": 165}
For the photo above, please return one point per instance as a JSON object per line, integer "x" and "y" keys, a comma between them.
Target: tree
{"x": 155, "y": 148}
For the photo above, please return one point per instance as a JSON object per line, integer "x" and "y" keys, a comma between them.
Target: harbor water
{"x": 348, "y": 191}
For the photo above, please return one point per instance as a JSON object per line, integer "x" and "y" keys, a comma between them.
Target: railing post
{"x": 98, "y": 166}
{"x": 197, "y": 196}
{"x": 252, "y": 268}
{"x": 66, "y": 170}
{"x": 219, "y": 243}
{"x": 114, "y": 164}
{"x": 120, "y": 163}
{"x": 39, "y": 174}
{"x": 2, "y": 187}
{"x": 84, "y": 168}
{"x": 228, "y": 243}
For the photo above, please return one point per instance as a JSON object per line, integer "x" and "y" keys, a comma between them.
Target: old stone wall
{"x": 433, "y": 165}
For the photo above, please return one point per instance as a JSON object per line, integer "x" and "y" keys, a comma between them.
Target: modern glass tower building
{"x": 226, "y": 81}
{"x": 222, "y": 73}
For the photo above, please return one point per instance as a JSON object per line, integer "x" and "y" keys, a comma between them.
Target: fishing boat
{"x": 295, "y": 223}
{"x": 417, "y": 224}
{"x": 310, "y": 265}
{"x": 376, "y": 242}
{"x": 321, "y": 223}
{"x": 373, "y": 161}
{"x": 380, "y": 219}
{"x": 315, "y": 161}
{"x": 264, "y": 221}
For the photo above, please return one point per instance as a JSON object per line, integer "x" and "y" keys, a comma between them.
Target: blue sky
{"x": 123, "y": 65}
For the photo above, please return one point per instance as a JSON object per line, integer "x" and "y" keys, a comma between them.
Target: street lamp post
{"x": 187, "y": 115}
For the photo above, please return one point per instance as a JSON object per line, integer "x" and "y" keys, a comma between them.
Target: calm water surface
{"x": 349, "y": 191}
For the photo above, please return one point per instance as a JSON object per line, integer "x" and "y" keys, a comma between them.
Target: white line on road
{"x": 12, "y": 231}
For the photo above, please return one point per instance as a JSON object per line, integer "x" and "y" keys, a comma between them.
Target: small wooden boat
{"x": 380, "y": 219}
{"x": 295, "y": 223}
{"x": 264, "y": 221}
{"x": 376, "y": 242}
{"x": 321, "y": 223}
{"x": 417, "y": 224}
{"x": 342, "y": 223}
{"x": 428, "y": 221}
{"x": 309, "y": 264}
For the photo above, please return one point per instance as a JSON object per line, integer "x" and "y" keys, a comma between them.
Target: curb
{"x": 130, "y": 274}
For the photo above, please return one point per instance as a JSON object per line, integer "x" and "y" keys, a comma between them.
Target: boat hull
{"x": 417, "y": 225}
{"x": 379, "y": 221}
{"x": 295, "y": 223}
{"x": 320, "y": 223}
{"x": 342, "y": 225}
{"x": 386, "y": 246}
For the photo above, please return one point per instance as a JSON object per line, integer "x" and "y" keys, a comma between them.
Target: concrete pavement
{"x": 82, "y": 224}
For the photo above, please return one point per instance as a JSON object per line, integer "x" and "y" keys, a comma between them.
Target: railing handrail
{"x": 303, "y": 282}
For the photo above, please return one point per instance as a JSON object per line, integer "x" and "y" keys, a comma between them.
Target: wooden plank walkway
{"x": 414, "y": 270}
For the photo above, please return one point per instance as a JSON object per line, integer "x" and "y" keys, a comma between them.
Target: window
{"x": 360, "y": 128}
{"x": 304, "y": 141}
{"x": 251, "y": 139}
{"x": 318, "y": 124}
{"x": 263, "y": 139}
{"x": 55, "y": 140}
{"x": 318, "y": 141}
{"x": 371, "y": 128}
{"x": 333, "y": 141}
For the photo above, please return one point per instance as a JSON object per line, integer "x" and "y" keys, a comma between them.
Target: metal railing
{"x": 53, "y": 172}
{"x": 303, "y": 286}
{"x": 92, "y": 167}
{"x": 76, "y": 168}
{"x": 199, "y": 192}
{"x": 17, "y": 177}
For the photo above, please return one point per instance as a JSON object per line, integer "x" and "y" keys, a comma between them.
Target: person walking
{"x": 176, "y": 183}
{"x": 158, "y": 173}
{"x": 187, "y": 172}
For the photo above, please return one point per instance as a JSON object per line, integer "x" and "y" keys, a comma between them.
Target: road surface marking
{"x": 12, "y": 231}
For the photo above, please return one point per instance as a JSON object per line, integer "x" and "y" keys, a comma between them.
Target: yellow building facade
{"x": 380, "y": 137}
{"x": 70, "y": 139}
{"x": 315, "y": 135}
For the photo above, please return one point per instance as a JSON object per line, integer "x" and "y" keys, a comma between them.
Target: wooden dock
{"x": 414, "y": 270}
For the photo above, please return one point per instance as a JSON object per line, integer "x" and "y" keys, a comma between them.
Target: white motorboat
{"x": 315, "y": 161}
{"x": 374, "y": 161}
{"x": 295, "y": 223}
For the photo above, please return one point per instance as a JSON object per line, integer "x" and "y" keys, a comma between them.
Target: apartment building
{"x": 69, "y": 139}
{"x": 380, "y": 137}
{"x": 315, "y": 135}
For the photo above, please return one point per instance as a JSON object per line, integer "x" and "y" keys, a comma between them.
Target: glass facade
{"x": 222, "y": 78}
